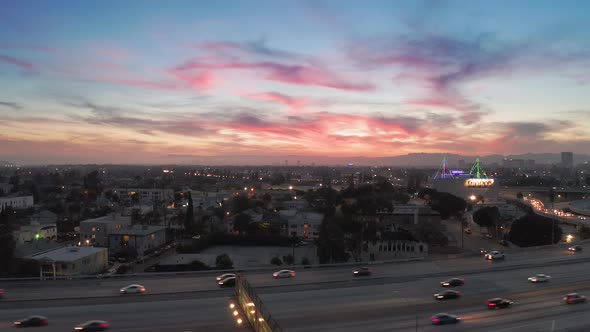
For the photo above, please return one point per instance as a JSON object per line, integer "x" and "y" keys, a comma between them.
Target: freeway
{"x": 204, "y": 282}
{"x": 395, "y": 297}
{"x": 401, "y": 306}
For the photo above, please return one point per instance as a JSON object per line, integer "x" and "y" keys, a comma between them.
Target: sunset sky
{"x": 177, "y": 81}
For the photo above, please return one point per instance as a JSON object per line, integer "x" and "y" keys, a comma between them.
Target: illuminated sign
{"x": 479, "y": 183}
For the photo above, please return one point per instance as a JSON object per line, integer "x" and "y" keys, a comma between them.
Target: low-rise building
{"x": 302, "y": 224}
{"x": 33, "y": 232}
{"x": 16, "y": 202}
{"x": 95, "y": 232}
{"x": 142, "y": 238}
{"x": 72, "y": 261}
{"x": 144, "y": 195}
{"x": 388, "y": 250}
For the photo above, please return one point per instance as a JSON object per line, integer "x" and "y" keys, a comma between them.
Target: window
{"x": 126, "y": 238}
{"x": 294, "y": 226}
{"x": 94, "y": 229}
{"x": 306, "y": 225}
{"x": 93, "y": 236}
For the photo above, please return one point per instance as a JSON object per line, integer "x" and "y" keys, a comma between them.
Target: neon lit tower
{"x": 443, "y": 173}
{"x": 477, "y": 170}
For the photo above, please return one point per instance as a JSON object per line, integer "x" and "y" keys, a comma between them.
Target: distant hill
{"x": 407, "y": 160}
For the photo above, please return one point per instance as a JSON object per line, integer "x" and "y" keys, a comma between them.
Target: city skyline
{"x": 110, "y": 82}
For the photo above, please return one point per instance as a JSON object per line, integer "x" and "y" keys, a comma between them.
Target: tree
{"x": 584, "y": 232}
{"x": 289, "y": 259}
{"x": 241, "y": 222}
{"x": 534, "y": 230}
{"x": 240, "y": 204}
{"x": 189, "y": 217}
{"x": 276, "y": 261}
{"x": 487, "y": 216}
{"x": 223, "y": 262}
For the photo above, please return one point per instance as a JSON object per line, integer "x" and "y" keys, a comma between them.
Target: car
{"x": 495, "y": 255}
{"x": 498, "y": 303}
{"x": 468, "y": 231}
{"x": 443, "y": 318}
{"x": 489, "y": 236}
{"x": 575, "y": 248}
{"x": 483, "y": 251}
{"x": 133, "y": 289}
{"x": 225, "y": 275}
{"x": 573, "y": 298}
{"x": 448, "y": 294}
{"x": 32, "y": 321}
{"x": 157, "y": 253}
{"x": 92, "y": 325}
{"x": 363, "y": 271}
{"x": 540, "y": 278}
{"x": 1, "y": 293}
{"x": 283, "y": 274}
{"x": 453, "y": 282}
{"x": 227, "y": 282}
{"x": 504, "y": 243}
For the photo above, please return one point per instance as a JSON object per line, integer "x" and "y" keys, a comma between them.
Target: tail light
{"x": 491, "y": 304}
{"x": 104, "y": 325}
{"x": 293, "y": 273}
{"x": 44, "y": 322}
{"x": 435, "y": 320}
{"x": 458, "y": 293}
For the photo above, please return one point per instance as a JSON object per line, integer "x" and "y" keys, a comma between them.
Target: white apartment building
{"x": 18, "y": 202}
{"x": 71, "y": 261}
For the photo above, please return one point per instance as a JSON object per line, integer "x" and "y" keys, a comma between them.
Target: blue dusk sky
{"x": 171, "y": 81}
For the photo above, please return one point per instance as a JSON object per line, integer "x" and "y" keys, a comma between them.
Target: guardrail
{"x": 258, "y": 315}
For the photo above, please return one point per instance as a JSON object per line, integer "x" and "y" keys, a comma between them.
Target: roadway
{"x": 327, "y": 299}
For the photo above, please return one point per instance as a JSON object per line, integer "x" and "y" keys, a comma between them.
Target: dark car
{"x": 468, "y": 231}
{"x": 227, "y": 282}
{"x": 453, "y": 282}
{"x": 573, "y": 298}
{"x": 504, "y": 243}
{"x": 498, "y": 303}
{"x": 363, "y": 271}
{"x": 448, "y": 294}
{"x": 443, "y": 318}
{"x": 31, "y": 321}
{"x": 575, "y": 248}
{"x": 92, "y": 325}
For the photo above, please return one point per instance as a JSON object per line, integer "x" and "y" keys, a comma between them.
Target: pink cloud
{"x": 201, "y": 80}
{"x": 290, "y": 74}
{"x": 27, "y": 67}
{"x": 293, "y": 102}
{"x": 38, "y": 48}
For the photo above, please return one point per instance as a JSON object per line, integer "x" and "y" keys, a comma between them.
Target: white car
{"x": 540, "y": 278}
{"x": 283, "y": 274}
{"x": 225, "y": 275}
{"x": 133, "y": 289}
{"x": 494, "y": 255}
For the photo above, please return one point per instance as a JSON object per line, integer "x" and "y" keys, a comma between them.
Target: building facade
{"x": 142, "y": 238}
{"x": 302, "y": 224}
{"x": 95, "y": 232}
{"x": 72, "y": 261}
{"x": 18, "y": 202}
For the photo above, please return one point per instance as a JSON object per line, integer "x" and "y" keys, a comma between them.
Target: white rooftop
{"x": 109, "y": 218}
{"x": 67, "y": 254}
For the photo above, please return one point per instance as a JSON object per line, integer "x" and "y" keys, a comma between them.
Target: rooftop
{"x": 109, "y": 218}
{"x": 138, "y": 230}
{"x": 67, "y": 254}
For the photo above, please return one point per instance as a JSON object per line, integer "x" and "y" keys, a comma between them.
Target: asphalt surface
{"x": 397, "y": 297}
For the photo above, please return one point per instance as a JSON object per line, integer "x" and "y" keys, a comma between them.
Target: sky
{"x": 175, "y": 81}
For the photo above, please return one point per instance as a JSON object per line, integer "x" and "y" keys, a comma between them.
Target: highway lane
{"x": 210, "y": 314}
{"x": 33, "y": 290}
{"x": 393, "y": 307}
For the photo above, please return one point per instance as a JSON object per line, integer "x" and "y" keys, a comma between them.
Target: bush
{"x": 276, "y": 261}
{"x": 223, "y": 262}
